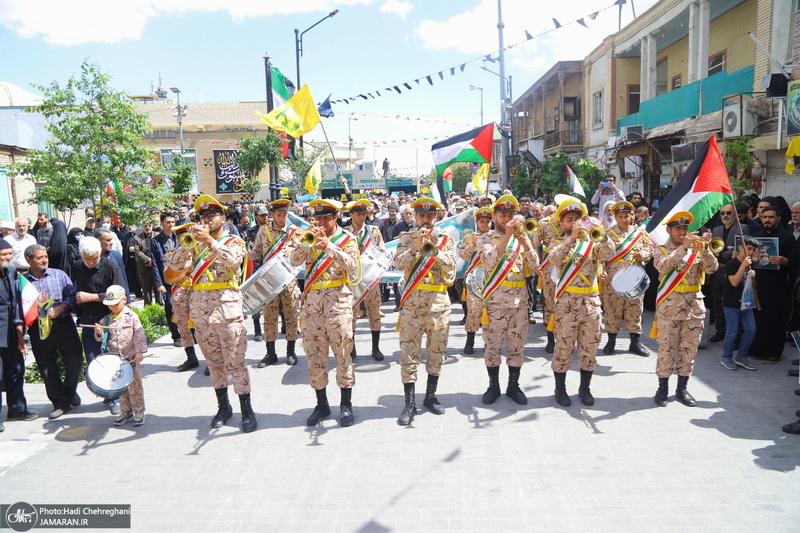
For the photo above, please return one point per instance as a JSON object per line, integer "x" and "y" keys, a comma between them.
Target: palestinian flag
{"x": 29, "y": 296}
{"x": 471, "y": 147}
{"x": 702, "y": 191}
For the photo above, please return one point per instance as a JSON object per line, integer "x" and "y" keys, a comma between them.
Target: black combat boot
{"x": 224, "y": 411}
{"x": 353, "y": 353}
{"x": 430, "y": 401}
{"x": 346, "y": 408}
{"x": 191, "y": 360}
{"x": 637, "y": 347}
{"x": 682, "y": 394}
{"x": 513, "y": 391}
{"x": 322, "y": 409}
{"x": 469, "y": 348}
{"x": 271, "y": 358}
{"x": 248, "y": 416}
{"x": 608, "y": 349}
{"x": 291, "y": 358}
{"x": 410, "y": 408}
{"x": 493, "y": 392}
{"x": 584, "y": 393}
{"x": 377, "y": 354}
{"x": 562, "y": 398}
{"x": 662, "y": 392}
{"x": 551, "y": 342}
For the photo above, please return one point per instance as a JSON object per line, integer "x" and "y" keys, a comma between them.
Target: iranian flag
{"x": 702, "y": 191}
{"x": 29, "y": 296}
{"x": 471, "y": 147}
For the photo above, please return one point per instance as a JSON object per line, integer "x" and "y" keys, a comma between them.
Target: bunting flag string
{"x": 406, "y": 85}
{"x": 408, "y": 119}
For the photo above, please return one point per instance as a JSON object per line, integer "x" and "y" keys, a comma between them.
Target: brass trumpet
{"x": 716, "y": 245}
{"x": 428, "y": 249}
{"x": 530, "y": 225}
{"x": 187, "y": 240}
{"x": 308, "y": 239}
{"x": 594, "y": 234}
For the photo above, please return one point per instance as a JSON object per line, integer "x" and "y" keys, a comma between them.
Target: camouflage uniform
{"x": 372, "y": 302}
{"x": 507, "y": 308}
{"x": 578, "y": 315}
{"x": 475, "y": 305}
{"x": 128, "y": 340}
{"x": 289, "y": 297}
{"x": 680, "y": 316}
{"x": 425, "y": 311}
{"x": 617, "y": 308}
{"x": 180, "y": 313}
{"x": 326, "y": 314}
{"x": 549, "y": 230}
{"x": 215, "y": 306}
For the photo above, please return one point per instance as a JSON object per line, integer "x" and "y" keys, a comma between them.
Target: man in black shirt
{"x": 773, "y": 288}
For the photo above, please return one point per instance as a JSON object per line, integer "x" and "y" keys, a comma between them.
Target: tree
{"x": 525, "y": 183}
{"x": 94, "y": 153}
{"x": 739, "y": 158}
{"x": 300, "y": 166}
{"x": 462, "y": 174}
{"x": 257, "y": 153}
{"x": 181, "y": 178}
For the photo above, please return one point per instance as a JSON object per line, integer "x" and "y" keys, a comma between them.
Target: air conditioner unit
{"x": 737, "y": 121}
{"x": 632, "y": 133}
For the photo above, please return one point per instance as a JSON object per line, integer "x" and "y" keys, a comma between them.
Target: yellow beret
{"x": 506, "y": 203}
{"x": 205, "y": 201}
{"x": 426, "y": 205}
{"x": 679, "y": 219}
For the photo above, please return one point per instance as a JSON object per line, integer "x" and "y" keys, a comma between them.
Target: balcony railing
{"x": 698, "y": 98}
{"x": 563, "y": 138}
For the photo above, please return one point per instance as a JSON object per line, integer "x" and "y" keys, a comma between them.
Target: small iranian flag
{"x": 702, "y": 191}
{"x": 30, "y": 296}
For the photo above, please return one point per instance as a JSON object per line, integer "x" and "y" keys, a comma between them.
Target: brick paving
{"x": 622, "y": 465}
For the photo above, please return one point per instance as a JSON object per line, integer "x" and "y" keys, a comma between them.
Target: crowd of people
{"x": 585, "y": 271}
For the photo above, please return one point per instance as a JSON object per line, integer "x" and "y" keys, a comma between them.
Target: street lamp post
{"x": 179, "y": 112}
{"x": 505, "y": 118}
{"x": 350, "y": 144}
{"x": 298, "y": 48}
{"x": 476, "y": 88}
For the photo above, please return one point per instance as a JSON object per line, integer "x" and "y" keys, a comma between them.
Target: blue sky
{"x": 215, "y": 54}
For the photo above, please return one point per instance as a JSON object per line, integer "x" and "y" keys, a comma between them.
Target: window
{"x": 634, "y": 99}
{"x": 160, "y": 134}
{"x": 676, "y": 82}
{"x": 548, "y": 124}
{"x": 597, "y": 109}
{"x": 662, "y": 71}
{"x": 537, "y": 129}
{"x": 556, "y": 119}
{"x": 716, "y": 63}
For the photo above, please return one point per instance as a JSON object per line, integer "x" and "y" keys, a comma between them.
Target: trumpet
{"x": 187, "y": 240}
{"x": 428, "y": 249}
{"x": 530, "y": 226}
{"x": 308, "y": 239}
{"x": 716, "y": 245}
{"x": 594, "y": 234}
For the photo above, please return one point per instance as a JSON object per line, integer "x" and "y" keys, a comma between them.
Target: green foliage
{"x": 32, "y": 374}
{"x": 154, "y": 321}
{"x": 257, "y": 153}
{"x": 589, "y": 175}
{"x": 739, "y": 157}
{"x": 554, "y": 176}
{"x": 300, "y": 165}
{"x": 96, "y": 134}
{"x": 462, "y": 174}
{"x": 181, "y": 177}
{"x": 525, "y": 183}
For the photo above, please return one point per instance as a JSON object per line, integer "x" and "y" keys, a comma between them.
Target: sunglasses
{"x": 726, "y": 212}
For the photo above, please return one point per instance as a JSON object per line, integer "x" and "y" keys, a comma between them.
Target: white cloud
{"x": 398, "y": 7}
{"x": 102, "y": 21}
{"x": 474, "y": 32}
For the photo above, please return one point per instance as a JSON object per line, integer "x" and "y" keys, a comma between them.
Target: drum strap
{"x": 278, "y": 244}
{"x": 626, "y": 245}
{"x": 104, "y": 343}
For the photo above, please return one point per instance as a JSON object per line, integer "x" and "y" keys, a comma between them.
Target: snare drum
{"x": 373, "y": 264}
{"x": 630, "y": 282}
{"x": 108, "y": 377}
{"x": 474, "y": 282}
{"x": 266, "y": 283}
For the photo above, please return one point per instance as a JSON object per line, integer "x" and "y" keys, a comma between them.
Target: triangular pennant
{"x": 557, "y": 23}
{"x": 407, "y": 86}
{"x": 452, "y": 71}
{"x": 428, "y": 77}
{"x": 594, "y": 15}
{"x": 528, "y": 36}
{"x": 441, "y": 76}
{"x": 582, "y": 23}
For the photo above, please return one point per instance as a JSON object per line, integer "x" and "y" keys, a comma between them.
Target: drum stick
{"x": 101, "y": 327}
{"x": 131, "y": 361}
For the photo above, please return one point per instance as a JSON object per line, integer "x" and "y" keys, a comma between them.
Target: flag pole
{"x": 339, "y": 172}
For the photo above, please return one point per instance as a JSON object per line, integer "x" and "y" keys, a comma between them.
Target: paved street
{"x": 623, "y": 465}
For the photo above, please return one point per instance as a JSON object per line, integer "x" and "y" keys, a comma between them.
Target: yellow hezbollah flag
{"x": 481, "y": 178}
{"x": 297, "y": 116}
{"x": 314, "y": 176}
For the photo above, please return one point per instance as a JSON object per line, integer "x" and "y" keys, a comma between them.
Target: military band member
{"x": 468, "y": 251}
{"x": 367, "y": 237}
{"x": 275, "y": 239}
{"x": 549, "y": 231}
{"x": 682, "y": 264}
{"x": 508, "y": 257}
{"x": 180, "y": 291}
{"x": 332, "y": 264}
{"x": 428, "y": 260}
{"x": 215, "y": 264}
{"x": 579, "y": 260}
{"x": 632, "y": 246}
{"x": 261, "y": 216}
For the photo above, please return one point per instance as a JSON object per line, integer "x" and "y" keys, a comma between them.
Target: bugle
{"x": 308, "y": 239}
{"x": 594, "y": 234}
{"x": 716, "y": 245}
{"x": 187, "y": 240}
{"x": 530, "y": 226}
{"x": 428, "y": 249}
